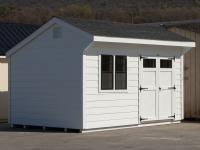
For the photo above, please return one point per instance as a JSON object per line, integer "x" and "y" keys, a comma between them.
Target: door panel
{"x": 165, "y": 94}
{"x": 149, "y": 78}
{"x": 165, "y": 79}
{"x": 148, "y": 103}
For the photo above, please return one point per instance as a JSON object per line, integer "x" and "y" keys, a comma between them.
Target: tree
{"x": 5, "y": 10}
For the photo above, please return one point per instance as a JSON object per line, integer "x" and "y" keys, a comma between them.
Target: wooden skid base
{"x": 67, "y": 130}
{"x": 45, "y": 129}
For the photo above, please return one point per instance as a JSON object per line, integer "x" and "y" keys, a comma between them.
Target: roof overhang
{"x": 144, "y": 41}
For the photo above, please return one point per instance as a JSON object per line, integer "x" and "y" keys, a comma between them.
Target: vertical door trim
{"x": 157, "y": 83}
{"x": 174, "y": 91}
{"x": 139, "y": 84}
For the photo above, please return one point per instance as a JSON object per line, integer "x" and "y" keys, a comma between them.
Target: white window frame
{"x": 112, "y": 90}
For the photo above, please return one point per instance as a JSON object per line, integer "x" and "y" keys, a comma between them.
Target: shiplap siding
{"x": 104, "y": 109}
{"x": 46, "y": 80}
{"x": 109, "y": 109}
{"x": 191, "y": 75}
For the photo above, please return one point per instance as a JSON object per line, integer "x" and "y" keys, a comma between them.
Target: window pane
{"x": 164, "y": 63}
{"x": 149, "y": 63}
{"x": 106, "y": 72}
{"x": 120, "y": 72}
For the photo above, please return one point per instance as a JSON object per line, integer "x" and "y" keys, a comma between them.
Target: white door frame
{"x": 157, "y": 83}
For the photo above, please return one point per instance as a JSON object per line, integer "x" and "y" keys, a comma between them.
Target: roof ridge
{"x": 95, "y": 20}
{"x": 134, "y": 24}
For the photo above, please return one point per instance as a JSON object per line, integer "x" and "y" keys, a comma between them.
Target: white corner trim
{"x": 143, "y": 41}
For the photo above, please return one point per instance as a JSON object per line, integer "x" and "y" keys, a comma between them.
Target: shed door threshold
{"x": 157, "y": 121}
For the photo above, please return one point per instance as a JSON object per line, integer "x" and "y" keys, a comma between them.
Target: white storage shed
{"x": 80, "y": 74}
{"x": 10, "y": 35}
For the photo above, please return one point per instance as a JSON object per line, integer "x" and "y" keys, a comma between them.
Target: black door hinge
{"x": 174, "y": 87}
{"x": 174, "y": 116}
{"x": 142, "y": 88}
{"x": 142, "y": 57}
{"x": 142, "y": 119}
{"x": 172, "y": 58}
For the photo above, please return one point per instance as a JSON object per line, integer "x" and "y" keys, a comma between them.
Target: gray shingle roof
{"x": 13, "y": 33}
{"x": 174, "y": 23}
{"x": 191, "y": 25}
{"x": 125, "y": 30}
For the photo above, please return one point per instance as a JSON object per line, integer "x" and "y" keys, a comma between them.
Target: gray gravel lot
{"x": 184, "y": 136}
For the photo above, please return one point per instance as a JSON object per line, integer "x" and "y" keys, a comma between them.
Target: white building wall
{"x": 109, "y": 109}
{"x": 46, "y": 79}
{"x": 104, "y": 109}
{"x": 3, "y": 89}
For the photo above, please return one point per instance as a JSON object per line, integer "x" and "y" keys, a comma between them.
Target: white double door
{"x": 156, "y": 98}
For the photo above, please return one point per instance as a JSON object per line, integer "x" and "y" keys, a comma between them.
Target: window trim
{"x": 112, "y": 90}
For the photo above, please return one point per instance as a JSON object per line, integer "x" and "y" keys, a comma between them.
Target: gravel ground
{"x": 184, "y": 136}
